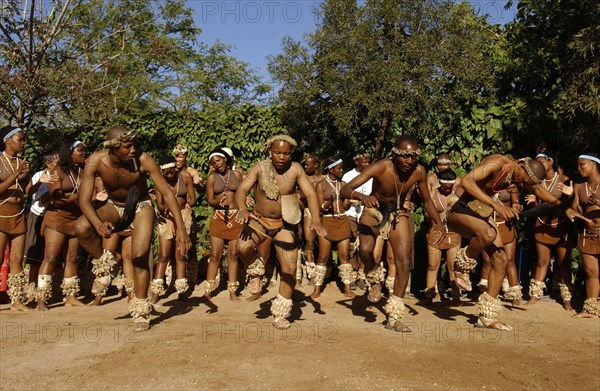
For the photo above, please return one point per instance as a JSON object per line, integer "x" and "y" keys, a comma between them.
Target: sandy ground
{"x": 334, "y": 343}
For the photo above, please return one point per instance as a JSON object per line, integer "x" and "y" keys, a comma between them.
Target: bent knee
{"x": 488, "y": 235}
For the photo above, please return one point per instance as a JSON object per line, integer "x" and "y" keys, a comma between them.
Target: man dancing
{"x": 124, "y": 171}
{"x": 385, "y": 213}
{"x": 470, "y": 215}
{"x": 276, "y": 213}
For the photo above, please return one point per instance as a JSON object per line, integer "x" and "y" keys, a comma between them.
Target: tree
{"x": 555, "y": 71}
{"x": 374, "y": 70}
{"x": 88, "y": 60}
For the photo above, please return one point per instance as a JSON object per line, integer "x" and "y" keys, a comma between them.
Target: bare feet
{"x": 348, "y": 292}
{"x": 398, "y": 326}
{"x": 141, "y": 326}
{"x": 97, "y": 301}
{"x": 517, "y": 302}
{"x": 568, "y": 307}
{"x": 281, "y": 323}
{"x": 316, "y": 293}
{"x": 463, "y": 281}
{"x": 153, "y": 297}
{"x": 585, "y": 315}
{"x": 41, "y": 306}
{"x": 254, "y": 296}
{"x": 532, "y": 301}
{"x": 486, "y": 323}
{"x": 233, "y": 297}
{"x": 18, "y": 306}
{"x": 73, "y": 301}
{"x": 374, "y": 294}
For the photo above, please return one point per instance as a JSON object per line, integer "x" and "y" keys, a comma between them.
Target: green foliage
{"x": 377, "y": 65}
{"x": 245, "y": 129}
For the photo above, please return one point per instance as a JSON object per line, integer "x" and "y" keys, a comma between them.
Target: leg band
{"x": 482, "y": 285}
{"x": 394, "y": 308}
{"x": 140, "y": 312}
{"x": 536, "y": 288}
{"x": 320, "y": 272}
{"x": 514, "y": 293}
{"x": 128, "y": 284}
{"x": 462, "y": 263}
{"x": 346, "y": 273}
{"x": 256, "y": 269}
{"x": 157, "y": 287}
{"x": 16, "y": 287}
{"x": 592, "y": 306}
{"x": 565, "y": 292}
{"x": 232, "y": 286}
{"x": 181, "y": 285}
{"x": 389, "y": 283}
{"x": 281, "y": 307}
{"x": 376, "y": 276}
{"x": 43, "y": 292}
{"x": 103, "y": 266}
{"x": 489, "y": 306}
{"x": 210, "y": 286}
{"x": 310, "y": 269}
{"x": 70, "y": 286}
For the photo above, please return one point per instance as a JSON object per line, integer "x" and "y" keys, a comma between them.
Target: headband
{"x": 12, "y": 133}
{"x": 129, "y": 135}
{"x": 533, "y": 177}
{"x": 444, "y": 161}
{"x": 406, "y": 152}
{"x": 589, "y": 157}
{"x": 75, "y": 144}
{"x": 180, "y": 150}
{"x": 167, "y": 166}
{"x": 544, "y": 156}
{"x": 216, "y": 154}
{"x": 447, "y": 181}
{"x": 329, "y": 167}
{"x": 359, "y": 155}
{"x": 282, "y": 137}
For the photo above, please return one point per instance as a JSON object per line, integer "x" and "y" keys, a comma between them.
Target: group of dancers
{"x": 103, "y": 204}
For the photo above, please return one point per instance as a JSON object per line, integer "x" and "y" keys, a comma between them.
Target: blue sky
{"x": 256, "y": 28}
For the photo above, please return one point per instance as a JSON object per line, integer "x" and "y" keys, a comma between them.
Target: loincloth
{"x": 61, "y": 220}
{"x": 338, "y": 228}
{"x": 147, "y": 203}
{"x": 589, "y": 241}
{"x": 269, "y": 227}
{"x": 166, "y": 225}
{"x": 451, "y": 240}
{"x": 12, "y": 219}
{"x": 551, "y": 233}
{"x": 390, "y": 224}
{"x": 507, "y": 231}
{"x": 482, "y": 210}
{"x": 223, "y": 224}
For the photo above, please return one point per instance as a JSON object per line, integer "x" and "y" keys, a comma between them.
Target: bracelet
{"x": 323, "y": 206}
{"x": 351, "y": 194}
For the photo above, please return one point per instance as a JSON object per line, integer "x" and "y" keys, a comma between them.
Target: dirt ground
{"x": 334, "y": 343}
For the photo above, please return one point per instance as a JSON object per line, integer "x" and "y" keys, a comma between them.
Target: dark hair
{"x": 593, "y": 154}
{"x": 65, "y": 161}
{"x": 406, "y": 138}
{"x": 310, "y": 155}
{"x": 328, "y": 161}
{"x": 551, "y": 155}
{"x": 165, "y": 159}
{"x": 446, "y": 175}
{"x": 228, "y": 157}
